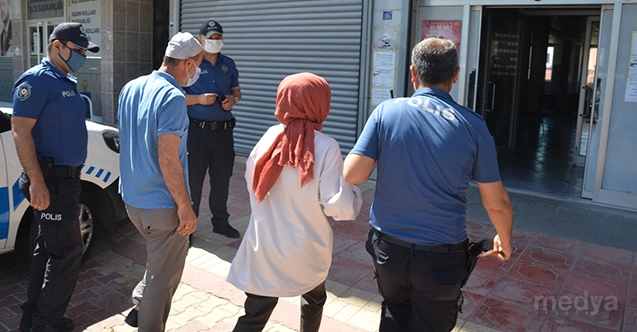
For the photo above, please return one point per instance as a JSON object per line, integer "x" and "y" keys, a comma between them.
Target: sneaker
{"x": 228, "y": 231}
{"x": 131, "y": 319}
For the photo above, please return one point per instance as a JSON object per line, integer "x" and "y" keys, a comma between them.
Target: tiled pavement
{"x": 573, "y": 269}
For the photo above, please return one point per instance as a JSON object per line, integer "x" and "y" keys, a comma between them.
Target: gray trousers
{"x": 166, "y": 252}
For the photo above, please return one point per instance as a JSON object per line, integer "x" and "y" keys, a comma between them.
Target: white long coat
{"x": 287, "y": 248}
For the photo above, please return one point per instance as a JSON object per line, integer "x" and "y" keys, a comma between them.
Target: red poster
{"x": 448, "y": 29}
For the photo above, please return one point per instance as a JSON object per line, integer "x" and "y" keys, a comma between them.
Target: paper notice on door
{"x": 383, "y": 78}
{"x": 631, "y": 91}
{"x": 379, "y": 95}
{"x": 632, "y": 66}
{"x": 384, "y": 60}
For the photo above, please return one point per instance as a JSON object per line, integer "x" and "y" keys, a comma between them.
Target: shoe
{"x": 228, "y": 231}
{"x": 131, "y": 319}
{"x": 63, "y": 325}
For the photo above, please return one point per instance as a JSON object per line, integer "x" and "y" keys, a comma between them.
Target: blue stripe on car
{"x": 18, "y": 195}
{"x": 4, "y": 212}
{"x": 99, "y": 173}
{"x": 108, "y": 176}
{"x": 90, "y": 170}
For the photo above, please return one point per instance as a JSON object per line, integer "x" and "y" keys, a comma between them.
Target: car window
{"x": 5, "y": 122}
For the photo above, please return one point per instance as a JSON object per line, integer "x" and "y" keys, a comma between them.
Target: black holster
{"x": 474, "y": 251}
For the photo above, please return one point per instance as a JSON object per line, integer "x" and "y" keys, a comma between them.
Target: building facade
{"x": 559, "y": 67}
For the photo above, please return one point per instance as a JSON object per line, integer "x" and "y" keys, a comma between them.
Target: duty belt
{"x": 213, "y": 125}
{"x": 64, "y": 172}
{"x": 443, "y": 247}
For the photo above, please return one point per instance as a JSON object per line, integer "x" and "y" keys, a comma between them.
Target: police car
{"x": 100, "y": 202}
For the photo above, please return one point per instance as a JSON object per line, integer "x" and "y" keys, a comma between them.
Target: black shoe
{"x": 63, "y": 325}
{"x": 131, "y": 319}
{"x": 228, "y": 231}
{"x": 45, "y": 328}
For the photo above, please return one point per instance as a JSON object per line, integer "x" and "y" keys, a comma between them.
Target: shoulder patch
{"x": 24, "y": 91}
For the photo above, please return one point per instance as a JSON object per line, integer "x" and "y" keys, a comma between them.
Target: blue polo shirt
{"x": 428, "y": 148}
{"x": 224, "y": 73}
{"x": 149, "y": 106}
{"x": 45, "y": 94}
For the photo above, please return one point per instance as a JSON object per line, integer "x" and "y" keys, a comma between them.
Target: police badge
{"x": 224, "y": 68}
{"x": 24, "y": 91}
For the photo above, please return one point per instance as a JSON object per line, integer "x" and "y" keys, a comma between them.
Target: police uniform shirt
{"x": 428, "y": 148}
{"x": 224, "y": 73}
{"x": 45, "y": 94}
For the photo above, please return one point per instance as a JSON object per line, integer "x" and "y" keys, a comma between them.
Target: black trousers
{"x": 259, "y": 308}
{"x": 211, "y": 150}
{"x": 420, "y": 289}
{"x": 57, "y": 256}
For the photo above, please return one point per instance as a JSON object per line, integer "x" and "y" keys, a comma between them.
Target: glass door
{"x": 39, "y": 33}
{"x": 596, "y": 102}
{"x": 498, "y": 83}
{"x": 588, "y": 110}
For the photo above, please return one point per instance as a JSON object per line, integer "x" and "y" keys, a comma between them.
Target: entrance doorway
{"x": 535, "y": 91}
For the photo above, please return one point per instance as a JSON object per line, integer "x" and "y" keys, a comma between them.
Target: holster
{"x": 46, "y": 163}
{"x": 473, "y": 253}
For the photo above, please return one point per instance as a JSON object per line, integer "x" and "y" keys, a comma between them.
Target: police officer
{"x": 51, "y": 140}
{"x": 210, "y": 139}
{"x": 427, "y": 149}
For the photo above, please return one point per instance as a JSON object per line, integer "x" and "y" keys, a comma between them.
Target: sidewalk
{"x": 574, "y": 269}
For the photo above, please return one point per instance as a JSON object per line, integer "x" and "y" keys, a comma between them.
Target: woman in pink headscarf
{"x": 294, "y": 174}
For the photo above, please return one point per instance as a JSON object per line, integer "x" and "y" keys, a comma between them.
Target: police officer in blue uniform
{"x": 51, "y": 140}
{"x": 210, "y": 140}
{"x": 426, "y": 150}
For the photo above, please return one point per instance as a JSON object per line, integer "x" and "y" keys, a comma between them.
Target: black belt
{"x": 443, "y": 247}
{"x": 64, "y": 172}
{"x": 212, "y": 125}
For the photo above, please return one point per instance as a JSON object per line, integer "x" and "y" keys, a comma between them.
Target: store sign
{"x": 45, "y": 9}
{"x": 86, "y": 12}
{"x": 447, "y": 29}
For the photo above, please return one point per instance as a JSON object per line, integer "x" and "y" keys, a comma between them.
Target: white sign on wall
{"x": 86, "y": 12}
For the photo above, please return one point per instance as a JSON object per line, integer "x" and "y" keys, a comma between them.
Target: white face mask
{"x": 192, "y": 80}
{"x": 213, "y": 45}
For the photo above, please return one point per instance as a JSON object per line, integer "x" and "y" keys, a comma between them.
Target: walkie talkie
{"x": 220, "y": 94}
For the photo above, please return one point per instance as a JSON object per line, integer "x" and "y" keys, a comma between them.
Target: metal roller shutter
{"x": 269, "y": 40}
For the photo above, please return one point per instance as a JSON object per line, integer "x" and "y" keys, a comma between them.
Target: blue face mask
{"x": 76, "y": 60}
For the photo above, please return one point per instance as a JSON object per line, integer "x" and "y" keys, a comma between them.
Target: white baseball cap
{"x": 183, "y": 46}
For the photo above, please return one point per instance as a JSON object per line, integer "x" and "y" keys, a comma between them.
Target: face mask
{"x": 213, "y": 45}
{"x": 75, "y": 62}
{"x": 194, "y": 78}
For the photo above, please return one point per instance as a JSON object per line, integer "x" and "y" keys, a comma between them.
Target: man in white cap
{"x": 153, "y": 128}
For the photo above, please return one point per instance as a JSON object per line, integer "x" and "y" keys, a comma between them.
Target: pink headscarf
{"x": 302, "y": 104}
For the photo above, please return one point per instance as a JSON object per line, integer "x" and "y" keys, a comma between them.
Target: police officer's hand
{"x": 187, "y": 220}
{"x": 207, "y": 98}
{"x": 501, "y": 249}
{"x": 40, "y": 198}
{"x": 228, "y": 103}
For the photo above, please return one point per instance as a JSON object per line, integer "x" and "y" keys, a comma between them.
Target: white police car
{"x": 99, "y": 201}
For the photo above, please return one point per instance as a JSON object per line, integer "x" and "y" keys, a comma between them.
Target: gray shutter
{"x": 269, "y": 40}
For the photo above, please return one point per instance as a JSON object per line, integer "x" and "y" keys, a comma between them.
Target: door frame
{"x": 579, "y": 160}
{"x": 469, "y": 59}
